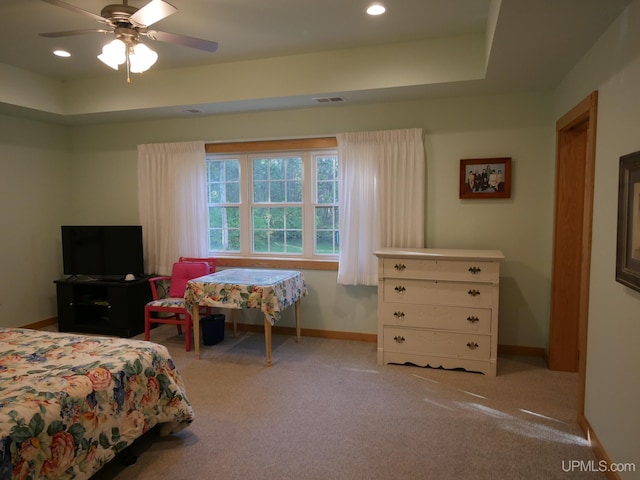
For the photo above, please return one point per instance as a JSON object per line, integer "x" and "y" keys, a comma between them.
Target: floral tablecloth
{"x": 271, "y": 291}
{"x": 70, "y": 403}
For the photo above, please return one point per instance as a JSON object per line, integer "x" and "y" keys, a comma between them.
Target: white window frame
{"x": 308, "y": 204}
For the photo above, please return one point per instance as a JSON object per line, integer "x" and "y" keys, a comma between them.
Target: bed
{"x": 70, "y": 403}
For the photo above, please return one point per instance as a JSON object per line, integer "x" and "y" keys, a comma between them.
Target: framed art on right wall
{"x": 628, "y": 246}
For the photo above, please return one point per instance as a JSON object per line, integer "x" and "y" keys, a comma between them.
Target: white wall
{"x": 34, "y": 192}
{"x": 519, "y": 126}
{"x": 613, "y": 353}
{"x": 87, "y": 174}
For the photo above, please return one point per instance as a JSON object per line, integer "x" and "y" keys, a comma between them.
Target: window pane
{"x": 294, "y": 192}
{"x": 276, "y": 241}
{"x": 260, "y": 218}
{"x": 261, "y": 169}
{"x": 276, "y": 218}
{"x": 325, "y": 192}
{"x": 294, "y": 168}
{"x": 260, "y": 241}
{"x": 277, "y": 230}
{"x": 213, "y": 171}
{"x": 232, "y": 170}
{"x": 326, "y": 168}
{"x": 224, "y": 228}
{"x": 294, "y": 241}
{"x": 324, "y": 243}
{"x": 327, "y": 230}
{"x": 294, "y": 218}
{"x": 215, "y": 192}
{"x": 277, "y": 192}
{"x": 223, "y": 181}
{"x": 276, "y": 169}
{"x": 324, "y": 218}
{"x": 232, "y": 193}
{"x": 261, "y": 192}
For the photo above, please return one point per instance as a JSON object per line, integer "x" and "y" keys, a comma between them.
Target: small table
{"x": 240, "y": 288}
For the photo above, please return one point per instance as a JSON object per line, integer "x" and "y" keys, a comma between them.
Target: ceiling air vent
{"x": 328, "y": 99}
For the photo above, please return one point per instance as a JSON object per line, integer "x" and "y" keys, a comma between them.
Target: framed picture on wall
{"x": 485, "y": 178}
{"x": 628, "y": 247}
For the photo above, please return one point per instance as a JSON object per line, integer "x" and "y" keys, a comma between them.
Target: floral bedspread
{"x": 269, "y": 290}
{"x": 70, "y": 403}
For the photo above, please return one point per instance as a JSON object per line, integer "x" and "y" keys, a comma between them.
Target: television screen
{"x": 113, "y": 250}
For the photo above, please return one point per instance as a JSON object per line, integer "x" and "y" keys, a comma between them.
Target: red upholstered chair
{"x": 173, "y": 304}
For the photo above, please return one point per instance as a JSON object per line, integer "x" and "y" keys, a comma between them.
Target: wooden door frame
{"x": 585, "y": 111}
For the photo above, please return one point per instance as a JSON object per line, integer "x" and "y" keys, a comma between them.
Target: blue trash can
{"x": 212, "y": 329}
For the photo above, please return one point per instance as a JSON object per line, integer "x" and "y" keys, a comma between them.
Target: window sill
{"x": 284, "y": 263}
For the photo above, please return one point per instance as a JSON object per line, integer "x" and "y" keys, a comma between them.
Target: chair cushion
{"x": 167, "y": 302}
{"x": 183, "y": 272}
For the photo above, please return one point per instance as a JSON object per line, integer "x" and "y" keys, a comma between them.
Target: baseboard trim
{"x": 42, "y": 323}
{"x": 330, "y": 334}
{"x": 598, "y": 448}
{"x": 308, "y": 332}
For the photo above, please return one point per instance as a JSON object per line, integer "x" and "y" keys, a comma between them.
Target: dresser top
{"x": 440, "y": 253}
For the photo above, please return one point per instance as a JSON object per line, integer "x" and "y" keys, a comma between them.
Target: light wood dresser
{"x": 439, "y": 307}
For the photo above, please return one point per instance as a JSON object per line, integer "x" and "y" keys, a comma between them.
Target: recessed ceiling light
{"x": 61, "y": 53}
{"x": 376, "y": 9}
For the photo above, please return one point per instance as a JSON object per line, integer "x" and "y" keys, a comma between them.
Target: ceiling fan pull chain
{"x": 127, "y": 62}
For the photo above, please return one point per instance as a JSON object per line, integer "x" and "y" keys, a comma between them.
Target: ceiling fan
{"x": 129, "y": 24}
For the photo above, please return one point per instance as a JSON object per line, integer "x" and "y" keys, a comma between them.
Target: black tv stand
{"x": 112, "y": 278}
{"x": 103, "y": 307}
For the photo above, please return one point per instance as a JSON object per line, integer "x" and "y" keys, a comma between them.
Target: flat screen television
{"x": 104, "y": 251}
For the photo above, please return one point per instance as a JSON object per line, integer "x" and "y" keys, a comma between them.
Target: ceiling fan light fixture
{"x": 141, "y": 58}
{"x": 114, "y": 53}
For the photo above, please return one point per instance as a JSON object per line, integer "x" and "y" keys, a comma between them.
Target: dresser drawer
{"x": 431, "y": 342}
{"x": 477, "y": 320}
{"x": 437, "y": 292}
{"x": 460, "y": 270}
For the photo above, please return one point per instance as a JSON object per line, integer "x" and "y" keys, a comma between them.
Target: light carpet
{"x": 325, "y": 410}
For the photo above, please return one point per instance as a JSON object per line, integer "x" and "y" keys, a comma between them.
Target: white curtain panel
{"x": 172, "y": 200}
{"x": 382, "y": 194}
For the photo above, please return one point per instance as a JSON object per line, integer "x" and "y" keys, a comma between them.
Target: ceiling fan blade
{"x": 73, "y": 32}
{"x": 152, "y": 12}
{"x": 73, "y": 8}
{"x": 183, "y": 40}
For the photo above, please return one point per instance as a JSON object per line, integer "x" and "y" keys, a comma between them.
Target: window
{"x": 223, "y": 191}
{"x": 274, "y": 203}
{"x": 326, "y": 204}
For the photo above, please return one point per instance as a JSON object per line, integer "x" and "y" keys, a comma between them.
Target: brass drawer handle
{"x": 475, "y": 270}
{"x": 400, "y": 266}
{"x": 398, "y": 314}
{"x": 474, "y": 292}
{"x": 472, "y": 345}
{"x": 398, "y": 339}
{"x": 473, "y": 319}
{"x": 399, "y": 288}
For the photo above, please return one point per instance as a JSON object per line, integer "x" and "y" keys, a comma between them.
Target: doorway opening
{"x": 575, "y": 171}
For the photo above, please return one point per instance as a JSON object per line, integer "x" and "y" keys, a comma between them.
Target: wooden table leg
{"x": 234, "y": 319}
{"x": 195, "y": 319}
{"x": 267, "y": 340}
{"x": 298, "y": 320}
